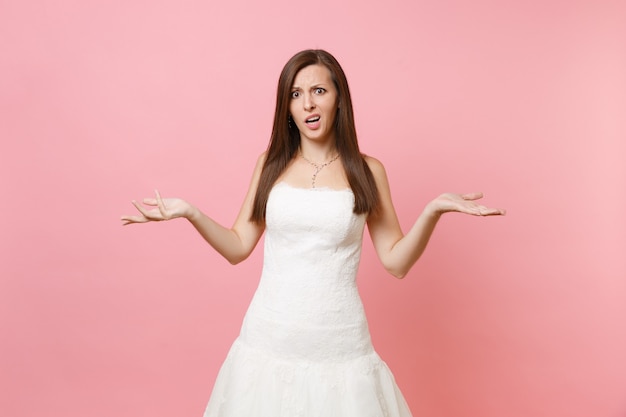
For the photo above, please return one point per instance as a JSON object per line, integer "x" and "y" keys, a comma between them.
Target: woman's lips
{"x": 313, "y": 122}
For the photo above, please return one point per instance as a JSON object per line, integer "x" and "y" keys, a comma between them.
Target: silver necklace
{"x": 318, "y": 167}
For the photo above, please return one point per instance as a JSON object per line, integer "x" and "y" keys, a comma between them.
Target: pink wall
{"x": 100, "y": 102}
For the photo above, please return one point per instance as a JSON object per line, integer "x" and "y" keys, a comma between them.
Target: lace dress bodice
{"x": 308, "y": 286}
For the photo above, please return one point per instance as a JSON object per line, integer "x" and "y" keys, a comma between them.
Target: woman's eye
{"x": 295, "y": 94}
{"x": 319, "y": 91}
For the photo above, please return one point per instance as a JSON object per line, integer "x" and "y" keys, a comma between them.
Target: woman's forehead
{"x": 311, "y": 75}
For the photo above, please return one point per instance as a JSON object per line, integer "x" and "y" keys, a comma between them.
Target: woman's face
{"x": 313, "y": 103}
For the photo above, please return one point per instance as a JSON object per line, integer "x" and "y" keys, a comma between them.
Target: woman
{"x": 304, "y": 347}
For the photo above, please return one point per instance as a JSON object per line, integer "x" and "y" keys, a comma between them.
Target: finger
{"x": 472, "y": 209}
{"x": 487, "y": 211}
{"x": 494, "y": 212}
{"x": 150, "y": 215}
{"x": 161, "y": 205}
{"x": 472, "y": 196}
{"x": 149, "y": 201}
{"x": 133, "y": 219}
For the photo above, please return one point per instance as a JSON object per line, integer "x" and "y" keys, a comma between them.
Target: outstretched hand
{"x": 463, "y": 203}
{"x": 163, "y": 209}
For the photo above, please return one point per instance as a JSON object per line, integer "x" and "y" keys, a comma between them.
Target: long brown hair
{"x": 285, "y": 139}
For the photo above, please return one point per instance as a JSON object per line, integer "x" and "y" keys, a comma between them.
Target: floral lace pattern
{"x": 304, "y": 349}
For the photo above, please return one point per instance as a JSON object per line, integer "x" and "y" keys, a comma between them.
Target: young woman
{"x": 304, "y": 347}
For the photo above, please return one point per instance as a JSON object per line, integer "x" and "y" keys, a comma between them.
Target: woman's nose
{"x": 309, "y": 104}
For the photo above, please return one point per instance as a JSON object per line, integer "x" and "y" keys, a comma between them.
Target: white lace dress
{"x": 304, "y": 348}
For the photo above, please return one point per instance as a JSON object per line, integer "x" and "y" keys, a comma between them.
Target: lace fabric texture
{"x": 304, "y": 349}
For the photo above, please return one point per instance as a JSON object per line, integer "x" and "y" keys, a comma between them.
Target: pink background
{"x": 103, "y": 101}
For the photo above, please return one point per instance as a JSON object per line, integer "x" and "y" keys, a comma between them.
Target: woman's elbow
{"x": 236, "y": 259}
{"x": 398, "y": 274}
{"x": 396, "y": 270}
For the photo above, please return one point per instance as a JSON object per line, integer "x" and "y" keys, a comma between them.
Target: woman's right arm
{"x": 235, "y": 243}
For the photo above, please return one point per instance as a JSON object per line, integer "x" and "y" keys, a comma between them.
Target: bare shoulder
{"x": 258, "y": 169}
{"x": 260, "y": 162}
{"x": 261, "y": 159}
{"x": 377, "y": 167}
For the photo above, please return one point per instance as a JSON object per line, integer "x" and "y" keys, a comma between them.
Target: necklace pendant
{"x": 317, "y": 167}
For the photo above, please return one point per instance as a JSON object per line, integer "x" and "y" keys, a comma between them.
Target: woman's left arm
{"x": 399, "y": 252}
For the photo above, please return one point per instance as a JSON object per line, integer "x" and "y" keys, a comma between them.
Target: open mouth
{"x": 313, "y": 119}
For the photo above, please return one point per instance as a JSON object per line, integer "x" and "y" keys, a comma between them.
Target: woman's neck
{"x": 317, "y": 152}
